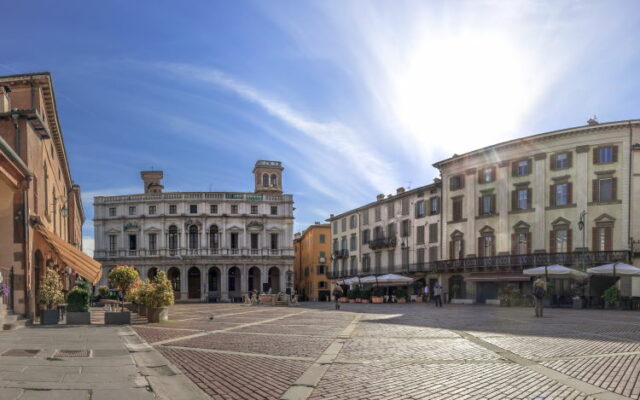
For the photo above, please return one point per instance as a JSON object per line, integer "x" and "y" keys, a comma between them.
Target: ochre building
{"x": 313, "y": 251}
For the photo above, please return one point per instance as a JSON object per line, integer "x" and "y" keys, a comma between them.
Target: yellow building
{"x": 312, "y": 249}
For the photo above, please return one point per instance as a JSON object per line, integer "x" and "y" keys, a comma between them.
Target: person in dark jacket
{"x": 539, "y": 291}
{"x": 337, "y": 293}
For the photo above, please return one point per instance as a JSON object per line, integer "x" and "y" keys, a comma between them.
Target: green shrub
{"x": 351, "y": 294}
{"x": 82, "y": 284}
{"x": 157, "y": 293}
{"x": 365, "y": 294}
{"x": 78, "y": 300}
{"x": 51, "y": 290}
{"x": 103, "y": 292}
{"x": 401, "y": 293}
{"x": 611, "y": 295}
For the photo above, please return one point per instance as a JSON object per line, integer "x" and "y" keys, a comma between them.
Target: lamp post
{"x": 582, "y": 227}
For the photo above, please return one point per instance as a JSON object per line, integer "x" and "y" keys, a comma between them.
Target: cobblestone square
{"x": 402, "y": 351}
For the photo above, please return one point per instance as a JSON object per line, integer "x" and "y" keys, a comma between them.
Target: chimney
{"x": 380, "y": 197}
{"x": 593, "y": 121}
{"x": 400, "y": 190}
{"x": 152, "y": 181}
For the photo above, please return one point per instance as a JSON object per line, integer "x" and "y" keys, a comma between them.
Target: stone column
{"x": 184, "y": 287}
{"x": 539, "y": 187}
{"x": 224, "y": 283}
{"x": 203, "y": 283}
{"x": 264, "y": 275}
{"x": 503, "y": 198}
{"x": 244, "y": 279}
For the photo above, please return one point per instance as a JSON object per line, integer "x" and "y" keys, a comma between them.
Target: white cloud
{"x": 88, "y": 245}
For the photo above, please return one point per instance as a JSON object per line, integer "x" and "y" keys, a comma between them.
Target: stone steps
{"x": 9, "y": 320}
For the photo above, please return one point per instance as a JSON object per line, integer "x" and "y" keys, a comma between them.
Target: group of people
{"x": 437, "y": 294}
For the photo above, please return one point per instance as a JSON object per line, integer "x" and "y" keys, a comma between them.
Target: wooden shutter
{"x": 552, "y": 162}
{"x": 569, "y": 159}
{"x": 552, "y": 195}
{"x": 514, "y": 200}
{"x": 493, "y": 174}
{"x": 35, "y": 194}
{"x": 529, "y": 199}
{"x": 461, "y": 182}
{"x": 451, "y": 249}
{"x": 553, "y": 248}
{"x": 596, "y": 155}
{"x": 514, "y": 168}
{"x": 514, "y": 244}
{"x": 480, "y": 209}
{"x": 614, "y": 153}
{"x": 480, "y": 176}
{"x": 461, "y": 248}
{"x": 569, "y": 240}
{"x": 529, "y": 243}
{"x": 480, "y": 248}
{"x": 614, "y": 189}
{"x": 594, "y": 239}
{"x": 493, "y": 204}
{"x": 608, "y": 238}
{"x": 451, "y": 185}
{"x": 529, "y": 167}
{"x": 570, "y": 192}
{"x": 596, "y": 191}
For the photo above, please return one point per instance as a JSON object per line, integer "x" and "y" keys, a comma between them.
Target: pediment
{"x": 561, "y": 221}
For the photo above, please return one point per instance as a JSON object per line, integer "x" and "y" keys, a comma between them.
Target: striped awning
{"x": 75, "y": 259}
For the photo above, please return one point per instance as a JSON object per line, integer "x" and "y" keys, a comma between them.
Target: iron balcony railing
{"x": 579, "y": 260}
{"x": 107, "y": 254}
{"x": 342, "y": 253}
{"x": 381, "y": 243}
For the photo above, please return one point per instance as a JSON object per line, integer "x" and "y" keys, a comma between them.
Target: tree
{"x": 51, "y": 289}
{"x": 158, "y": 293}
{"x": 124, "y": 278}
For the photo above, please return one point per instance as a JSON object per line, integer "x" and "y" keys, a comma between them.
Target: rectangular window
{"x": 378, "y": 262}
{"x": 405, "y": 206}
{"x": 132, "y": 210}
{"x": 323, "y": 238}
{"x": 254, "y": 209}
{"x": 605, "y": 189}
{"x": 434, "y": 205}
{"x": 274, "y": 210}
{"x": 391, "y": 210}
{"x": 343, "y": 224}
{"x": 335, "y": 227}
{"x": 343, "y": 243}
{"x": 254, "y": 240}
{"x": 213, "y": 209}
{"x": 522, "y": 199}
{"x": 561, "y": 241}
{"x": 365, "y": 217}
{"x": 487, "y": 175}
{"x": 391, "y": 259}
{"x": 133, "y": 242}
{"x": 457, "y": 249}
{"x": 353, "y": 242}
{"x": 378, "y": 214}
{"x": 173, "y": 209}
{"x": 335, "y": 245}
{"x": 522, "y": 168}
{"x": 365, "y": 236}
{"x": 420, "y": 234}
{"x": 391, "y": 229}
{"x": 562, "y": 194}
{"x": 366, "y": 263}
{"x": 457, "y": 209}
{"x": 486, "y": 246}
{"x": 112, "y": 211}
{"x": 456, "y": 182}
{"x": 433, "y": 233}
{"x": 152, "y": 210}
{"x": 153, "y": 241}
{"x": 420, "y": 257}
{"x": 486, "y": 204}
{"x": 234, "y": 209}
{"x": 421, "y": 210}
{"x": 274, "y": 241}
{"x": 562, "y": 161}
{"x": 113, "y": 243}
{"x": 193, "y": 208}
{"x": 323, "y": 255}
{"x": 234, "y": 240}
{"x": 605, "y": 154}
{"x": 322, "y": 284}
{"x": 433, "y": 253}
{"x": 406, "y": 228}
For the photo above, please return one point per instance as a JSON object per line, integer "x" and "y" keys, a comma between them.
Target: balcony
{"x": 342, "y": 253}
{"x": 383, "y": 243}
{"x": 185, "y": 252}
{"x": 506, "y": 263}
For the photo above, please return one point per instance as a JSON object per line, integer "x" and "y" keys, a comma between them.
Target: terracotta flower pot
{"x": 343, "y": 300}
{"x": 365, "y": 301}
{"x": 402, "y": 301}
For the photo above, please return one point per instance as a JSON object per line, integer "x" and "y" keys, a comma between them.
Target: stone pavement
{"x": 408, "y": 351}
{"x": 86, "y": 362}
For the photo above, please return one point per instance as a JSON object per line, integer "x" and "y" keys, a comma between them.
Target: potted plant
{"x": 377, "y": 295}
{"x": 78, "y": 307}
{"x": 157, "y": 296}
{"x": 50, "y": 296}
{"x": 122, "y": 277}
{"x": 611, "y": 297}
{"x": 352, "y": 296}
{"x": 358, "y": 295}
{"x": 366, "y": 295}
{"x": 401, "y": 295}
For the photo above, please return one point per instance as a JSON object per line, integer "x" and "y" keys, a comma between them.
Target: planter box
{"x": 358, "y": 300}
{"x": 401, "y": 301}
{"x": 343, "y": 300}
{"x": 365, "y": 301}
{"x": 49, "y": 317}
{"x": 377, "y": 300}
{"x": 493, "y": 302}
{"x": 79, "y": 318}
{"x": 117, "y": 318}
{"x": 159, "y": 314}
{"x": 461, "y": 301}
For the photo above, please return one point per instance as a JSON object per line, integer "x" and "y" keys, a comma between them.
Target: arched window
{"x": 213, "y": 237}
{"x": 193, "y": 237}
{"x": 274, "y": 180}
{"x": 173, "y": 237}
{"x": 265, "y": 180}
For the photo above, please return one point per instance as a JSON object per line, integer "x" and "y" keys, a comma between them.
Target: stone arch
{"x": 174, "y": 277}
{"x": 265, "y": 180}
{"x": 194, "y": 280}
{"x": 152, "y": 273}
{"x": 274, "y": 180}
{"x": 274, "y": 279}
{"x": 457, "y": 287}
{"x": 234, "y": 278}
{"x": 213, "y": 281}
{"x": 254, "y": 279}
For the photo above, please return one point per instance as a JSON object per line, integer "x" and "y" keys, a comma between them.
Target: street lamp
{"x": 582, "y": 227}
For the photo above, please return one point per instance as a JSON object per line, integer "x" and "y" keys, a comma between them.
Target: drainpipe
{"x": 630, "y": 191}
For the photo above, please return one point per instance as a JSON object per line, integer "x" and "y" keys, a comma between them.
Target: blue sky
{"x": 355, "y": 97}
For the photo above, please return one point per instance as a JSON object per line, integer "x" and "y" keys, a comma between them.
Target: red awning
{"x": 511, "y": 277}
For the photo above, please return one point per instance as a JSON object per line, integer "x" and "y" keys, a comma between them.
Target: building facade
{"x": 41, "y": 208}
{"x": 566, "y": 197}
{"x": 214, "y": 246}
{"x": 395, "y": 234}
{"x": 313, "y": 251}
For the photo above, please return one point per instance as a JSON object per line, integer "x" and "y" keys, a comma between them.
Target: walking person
{"x": 337, "y": 293}
{"x": 437, "y": 292}
{"x": 539, "y": 291}
{"x": 426, "y": 293}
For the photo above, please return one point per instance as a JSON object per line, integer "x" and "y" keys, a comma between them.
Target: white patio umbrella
{"x": 615, "y": 269}
{"x": 349, "y": 281}
{"x": 393, "y": 279}
{"x": 557, "y": 271}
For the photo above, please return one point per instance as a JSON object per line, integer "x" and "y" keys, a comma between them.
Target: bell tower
{"x": 268, "y": 176}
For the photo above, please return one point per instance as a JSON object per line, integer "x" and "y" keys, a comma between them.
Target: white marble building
{"x": 214, "y": 246}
